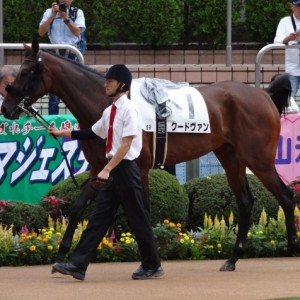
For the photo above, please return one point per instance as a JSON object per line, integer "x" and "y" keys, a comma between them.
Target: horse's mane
{"x": 75, "y": 63}
{"x": 280, "y": 91}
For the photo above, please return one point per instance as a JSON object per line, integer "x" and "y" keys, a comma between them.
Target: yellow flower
{"x": 272, "y": 242}
{"x": 205, "y": 220}
{"x": 231, "y": 218}
{"x": 211, "y": 247}
{"x": 296, "y": 211}
{"x": 178, "y": 225}
{"x": 45, "y": 240}
{"x": 192, "y": 241}
{"x": 298, "y": 233}
{"x": 166, "y": 221}
{"x": 217, "y": 222}
{"x": 122, "y": 239}
{"x": 249, "y": 234}
{"x": 171, "y": 224}
{"x": 32, "y": 248}
{"x": 181, "y": 241}
{"x": 128, "y": 241}
{"x": 50, "y": 247}
{"x": 263, "y": 218}
{"x": 219, "y": 245}
{"x": 128, "y": 234}
{"x": 109, "y": 245}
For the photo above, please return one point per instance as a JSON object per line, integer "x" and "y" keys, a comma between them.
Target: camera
{"x": 62, "y": 7}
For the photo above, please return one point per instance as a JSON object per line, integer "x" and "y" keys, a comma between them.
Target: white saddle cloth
{"x": 188, "y": 109}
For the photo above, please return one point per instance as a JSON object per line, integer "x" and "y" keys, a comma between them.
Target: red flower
{"x": 53, "y": 200}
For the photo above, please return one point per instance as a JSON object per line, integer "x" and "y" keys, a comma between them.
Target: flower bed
{"x": 214, "y": 241}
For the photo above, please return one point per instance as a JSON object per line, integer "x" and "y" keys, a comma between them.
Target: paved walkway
{"x": 254, "y": 279}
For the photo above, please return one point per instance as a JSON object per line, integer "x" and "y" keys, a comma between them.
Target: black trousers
{"x": 123, "y": 187}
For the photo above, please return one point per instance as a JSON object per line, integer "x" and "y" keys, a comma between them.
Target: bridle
{"x": 24, "y": 93}
{"x": 25, "y": 106}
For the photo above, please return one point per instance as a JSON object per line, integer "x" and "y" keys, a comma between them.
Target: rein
{"x": 33, "y": 112}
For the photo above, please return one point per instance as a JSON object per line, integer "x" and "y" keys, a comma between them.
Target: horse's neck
{"x": 81, "y": 91}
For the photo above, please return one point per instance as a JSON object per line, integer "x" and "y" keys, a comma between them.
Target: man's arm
{"x": 43, "y": 28}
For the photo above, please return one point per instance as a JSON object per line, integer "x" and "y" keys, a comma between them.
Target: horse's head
{"x": 28, "y": 86}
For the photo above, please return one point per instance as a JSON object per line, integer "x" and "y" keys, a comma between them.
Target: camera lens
{"x": 62, "y": 7}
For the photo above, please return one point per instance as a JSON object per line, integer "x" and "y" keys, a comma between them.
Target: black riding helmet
{"x": 120, "y": 73}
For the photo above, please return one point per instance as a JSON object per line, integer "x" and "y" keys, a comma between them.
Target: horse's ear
{"x": 26, "y": 47}
{"x": 35, "y": 46}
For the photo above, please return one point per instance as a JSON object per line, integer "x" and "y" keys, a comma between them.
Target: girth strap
{"x": 160, "y": 142}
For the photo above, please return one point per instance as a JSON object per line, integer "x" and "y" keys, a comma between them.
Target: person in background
{"x": 64, "y": 25}
{"x": 121, "y": 126}
{"x": 288, "y": 33}
{"x": 7, "y": 77}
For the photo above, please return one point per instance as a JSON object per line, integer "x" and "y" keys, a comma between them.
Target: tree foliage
{"x": 262, "y": 18}
{"x": 155, "y": 22}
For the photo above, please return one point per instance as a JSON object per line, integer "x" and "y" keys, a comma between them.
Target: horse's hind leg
{"x": 237, "y": 180}
{"x": 87, "y": 194}
{"x": 284, "y": 196}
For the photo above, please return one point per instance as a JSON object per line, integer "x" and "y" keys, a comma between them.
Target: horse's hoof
{"x": 295, "y": 245}
{"x": 228, "y": 267}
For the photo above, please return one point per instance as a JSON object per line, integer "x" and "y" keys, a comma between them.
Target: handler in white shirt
{"x": 288, "y": 34}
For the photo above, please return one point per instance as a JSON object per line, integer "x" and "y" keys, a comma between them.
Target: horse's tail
{"x": 280, "y": 91}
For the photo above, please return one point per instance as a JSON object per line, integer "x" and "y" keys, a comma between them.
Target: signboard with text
{"x": 31, "y": 161}
{"x": 288, "y": 152}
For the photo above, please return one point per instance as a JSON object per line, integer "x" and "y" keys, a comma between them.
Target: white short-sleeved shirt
{"x": 292, "y": 58}
{"x": 127, "y": 122}
{"x": 59, "y": 33}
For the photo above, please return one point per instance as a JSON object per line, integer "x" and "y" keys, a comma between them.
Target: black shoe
{"x": 141, "y": 273}
{"x": 68, "y": 269}
{"x": 57, "y": 260}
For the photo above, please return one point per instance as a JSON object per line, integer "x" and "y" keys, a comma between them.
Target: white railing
{"x": 260, "y": 55}
{"x": 46, "y": 46}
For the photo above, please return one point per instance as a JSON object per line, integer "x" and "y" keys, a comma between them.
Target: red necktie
{"x": 110, "y": 129}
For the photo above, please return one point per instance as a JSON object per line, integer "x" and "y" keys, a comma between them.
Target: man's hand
{"x": 60, "y": 133}
{"x": 104, "y": 174}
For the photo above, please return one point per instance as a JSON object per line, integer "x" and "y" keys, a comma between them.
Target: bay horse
{"x": 245, "y": 127}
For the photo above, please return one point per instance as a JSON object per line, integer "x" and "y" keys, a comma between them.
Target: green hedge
{"x": 185, "y": 204}
{"x": 155, "y": 22}
{"x": 21, "y": 214}
{"x": 212, "y": 195}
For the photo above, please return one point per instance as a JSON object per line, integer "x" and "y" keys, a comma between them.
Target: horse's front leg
{"x": 87, "y": 195}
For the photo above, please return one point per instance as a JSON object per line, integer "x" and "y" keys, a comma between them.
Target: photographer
{"x": 64, "y": 24}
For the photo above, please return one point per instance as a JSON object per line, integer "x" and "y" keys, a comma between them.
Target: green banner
{"x": 31, "y": 161}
